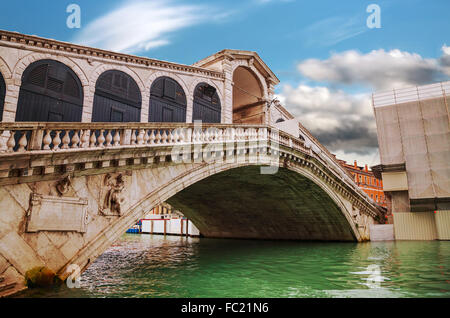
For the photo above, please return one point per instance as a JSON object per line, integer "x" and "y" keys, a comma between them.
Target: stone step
{"x": 4, "y": 287}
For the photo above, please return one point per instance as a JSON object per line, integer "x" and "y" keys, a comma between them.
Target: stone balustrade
{"x": 38, "y": 149}
{"x": 32, "y": 137}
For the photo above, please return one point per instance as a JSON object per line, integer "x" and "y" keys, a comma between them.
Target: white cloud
{"x": 371, "y": 158}
{"x": 141, "y": 25}
{"x": 341, "y": 121}
{"x": 378, "y": 69}
{"x": 445, "y": 59}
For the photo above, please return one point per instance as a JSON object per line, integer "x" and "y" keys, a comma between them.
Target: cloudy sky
{"x": 328, "y": 60}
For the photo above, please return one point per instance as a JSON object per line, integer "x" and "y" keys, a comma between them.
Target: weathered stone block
{"x": 50, "y": 213}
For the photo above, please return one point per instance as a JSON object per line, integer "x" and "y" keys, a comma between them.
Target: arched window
{"x": 50, "y": 91}
{"x": 279, "y": 120}
{"x": 167, "y": 101}
{"x": 117, "y": 98}
{"x": 2, "y": 95}
{"x": 207, "y": 106}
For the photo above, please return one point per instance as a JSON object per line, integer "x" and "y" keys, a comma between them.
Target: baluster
{"x": 84, "y": 143}
{"x": 93, "y": 140}
{"x": 65, "y": 140}
{"x": 133, "y": 137}
{"x": 152, "y": 137}
{"x": 195, "y": 135}
{"x": 23, "y": 142}
{"x": 182, "y": 134}
{"x": 11, "y": 143}
{"x": 140, "y": 137}
{"x": 47, "y": 140}
{"x": 56, "y": 140}
{"x": 109, "y": 139}
{"x": 229, "y": 134}
{"x": 101, "y": 139}
{"x": 237, "y": 135}
{"x": 176, "y": 136}
{"x": 164, "y": 137}
{"x": 158, "y": 137}
{"x": 116, "y": 138}
{"x": 146, "y": 137}
{"x": 75, "y": 139}
{"x": 170, "y": 137}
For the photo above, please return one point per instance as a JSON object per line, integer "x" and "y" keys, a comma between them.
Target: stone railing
{"x": 23, "y": 138}
{"x": 32, "y": 137}
{"x": 39, "y": 137}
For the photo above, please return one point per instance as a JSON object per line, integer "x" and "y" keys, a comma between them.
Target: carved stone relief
{"x": 112, "y": 199}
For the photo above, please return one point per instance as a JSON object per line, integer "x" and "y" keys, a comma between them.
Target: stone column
{"x": 227, "y": 104}
{"x": 11, "y": 99}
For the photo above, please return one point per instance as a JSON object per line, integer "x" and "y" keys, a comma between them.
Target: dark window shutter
{"x": 117, "y": 98}
{"x": 167, "y": 101}
{"x": 169, "y": 89}
{"x": 207, "y": 106}
{"x": 38, "y": 75}
{"x": 50, "y": 91}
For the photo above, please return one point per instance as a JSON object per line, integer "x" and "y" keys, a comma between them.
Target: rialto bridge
{"x": 91, "y": 141}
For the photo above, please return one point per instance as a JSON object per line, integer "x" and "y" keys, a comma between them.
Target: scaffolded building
{"x": 414, "y": 140}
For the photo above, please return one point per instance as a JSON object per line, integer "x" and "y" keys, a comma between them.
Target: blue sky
{"x": 326, "y": 57}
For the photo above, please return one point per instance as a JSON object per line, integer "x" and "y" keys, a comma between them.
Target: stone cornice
{"x": 87, "y": 52}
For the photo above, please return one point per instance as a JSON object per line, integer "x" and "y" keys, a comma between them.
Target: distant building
{"x": 414, "y": 140}
{"x": 366, "y": 180}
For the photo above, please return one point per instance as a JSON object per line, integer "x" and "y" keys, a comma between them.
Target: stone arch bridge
{"x": 67, "y": 193}
{"x": 69, "y": 189}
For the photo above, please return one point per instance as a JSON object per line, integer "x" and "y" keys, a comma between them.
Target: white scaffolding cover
{"x": 413, "y": 128}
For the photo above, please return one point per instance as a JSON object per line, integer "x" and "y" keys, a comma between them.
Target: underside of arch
{"x": 248, "y": 97}
{"x": 242, "y": 203}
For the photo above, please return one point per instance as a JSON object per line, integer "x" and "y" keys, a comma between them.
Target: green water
{"x": 157, "y": 266}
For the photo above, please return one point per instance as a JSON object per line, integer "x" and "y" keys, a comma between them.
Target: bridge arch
{"x": 249, "y": 96}
{"x": 168, "y": 101}
{"x": 50, "y": 91}
{"x": 326, "y": 218}
{"x": 23, "y": 63}
{"x": 117, "y": 98}
{"x": 207, "y": 106}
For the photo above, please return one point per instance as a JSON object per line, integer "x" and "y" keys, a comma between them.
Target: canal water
{"x": 158, "y": 266}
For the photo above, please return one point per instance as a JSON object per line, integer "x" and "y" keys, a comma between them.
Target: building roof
{"x": 240, "y": 54}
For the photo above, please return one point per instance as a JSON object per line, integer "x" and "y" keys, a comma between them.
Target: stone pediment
{"x": 214, "y": 62}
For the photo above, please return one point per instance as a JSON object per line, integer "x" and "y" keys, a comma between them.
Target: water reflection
{"x": 157, "y": 266}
